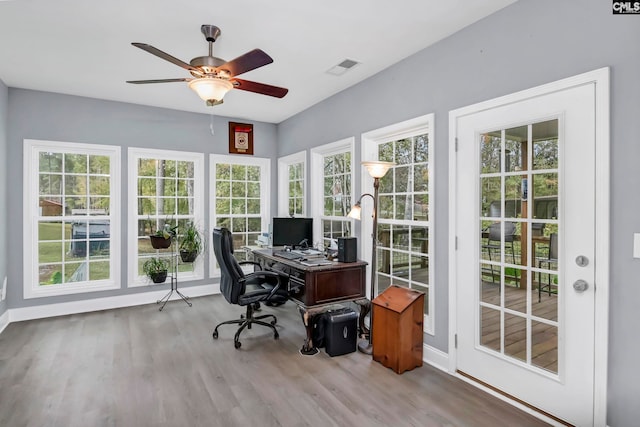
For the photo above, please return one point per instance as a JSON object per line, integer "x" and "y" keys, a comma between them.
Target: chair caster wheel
{"x": 215, "y": 335}
{"x": 237, "y": 344}
{"x": 276, "y": 335}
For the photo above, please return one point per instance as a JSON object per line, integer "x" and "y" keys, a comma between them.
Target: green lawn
{"x": 54, "y": 250}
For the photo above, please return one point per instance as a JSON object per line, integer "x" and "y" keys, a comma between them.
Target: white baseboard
{"x": 97, "y": 304}
{"x": 436, "y": 358}
{"x": 4, "y": 320}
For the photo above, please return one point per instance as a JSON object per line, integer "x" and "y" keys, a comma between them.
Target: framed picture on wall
{"x": 240, "y": 138}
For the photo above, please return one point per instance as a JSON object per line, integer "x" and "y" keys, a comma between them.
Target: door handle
{"x": 580, "y": 285}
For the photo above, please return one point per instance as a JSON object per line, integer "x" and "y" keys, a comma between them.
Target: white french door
{"x": 525, "y": 227}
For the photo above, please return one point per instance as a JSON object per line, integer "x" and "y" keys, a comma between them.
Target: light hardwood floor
{"x": 141, "y": 367}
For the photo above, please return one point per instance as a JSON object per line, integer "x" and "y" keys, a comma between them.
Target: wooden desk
{"x": 313, "y": 288}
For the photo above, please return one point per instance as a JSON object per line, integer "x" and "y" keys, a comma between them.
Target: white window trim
{"x": 317, "y": 184}
{"x": 370, "y": 140}
{"x": 32, "y": 148}
{"x": 283, "y": 182}
{"x": 135, "y": 279}
{"x": 265, "y": 195}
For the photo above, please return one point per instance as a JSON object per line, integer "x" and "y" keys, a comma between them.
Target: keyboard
{"x": 288, "y": 255}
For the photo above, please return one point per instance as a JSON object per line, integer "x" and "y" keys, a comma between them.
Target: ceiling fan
{"x": 214, "y": 77}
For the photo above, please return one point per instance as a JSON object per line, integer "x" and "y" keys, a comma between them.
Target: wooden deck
{"x": 544, "y": 337}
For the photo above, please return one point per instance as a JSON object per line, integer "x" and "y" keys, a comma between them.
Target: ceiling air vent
{"x": 342, "y": 67}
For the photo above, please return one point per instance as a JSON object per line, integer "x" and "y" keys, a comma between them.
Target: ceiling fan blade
{"x": 141, "y": 82}
{"x": 247, "y": 62}
{"x": 160, "y": 54}
{"x": 264, "y": 89}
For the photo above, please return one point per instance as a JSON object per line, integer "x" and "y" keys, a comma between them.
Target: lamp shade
{"x": 377, "y": 169}
{"x": 355, "y": 211}
{"x": 210, "y": 89}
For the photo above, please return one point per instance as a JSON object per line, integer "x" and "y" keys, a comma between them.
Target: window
{"x": 291, "y": 184}
{"x": 240, "y": 189}
{"x": 165, "y": 187}
{"x": 331, "y": 196}
{"x": 405, "y": 240}
{"x": 71, "y": 207}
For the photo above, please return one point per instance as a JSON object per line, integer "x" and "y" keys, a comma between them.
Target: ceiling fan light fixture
{"x": 214, "y": 77}
{"x": 210, "y": 89}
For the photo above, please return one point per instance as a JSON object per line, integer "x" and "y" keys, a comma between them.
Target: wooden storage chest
{"x": 397, "y": 328}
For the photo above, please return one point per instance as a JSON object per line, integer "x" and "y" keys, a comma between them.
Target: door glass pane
{"x": 513, "y": 192}
{"x": 544, "y": 352}
{"x": 490, "y": 283}
{"x": 518, "y": 268}
{"x": 490, "y": 153}
{"x": 545, "y": 144}
{"x": 490, "y": 197}
{"x": 515, "y": 295}
{"x": 515, "y": 149}
{"x": 545, "y": 195}
{"x": 490, "y": 328}
{"x": 515, "y": 336}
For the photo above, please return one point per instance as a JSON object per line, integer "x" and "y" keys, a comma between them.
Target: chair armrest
{"x": 249, "y": 262}
{"x": 265, "y": 274}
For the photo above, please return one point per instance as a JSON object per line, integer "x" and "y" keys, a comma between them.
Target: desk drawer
{"x": 282, "y": 268}
{"x": 316, "y": 285}
{"x": 330, "y": 286}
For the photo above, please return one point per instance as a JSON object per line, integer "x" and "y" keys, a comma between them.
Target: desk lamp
{"x": 377, "y": 170}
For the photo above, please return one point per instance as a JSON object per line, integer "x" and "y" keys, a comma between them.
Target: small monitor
{"x": 292, "y": 232}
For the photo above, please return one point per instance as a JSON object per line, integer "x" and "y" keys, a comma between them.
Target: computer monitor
{"x": 292, "y": 232}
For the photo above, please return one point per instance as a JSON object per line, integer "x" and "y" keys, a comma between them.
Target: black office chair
{"x": 245, "y": 290}
{"x": 552, "y": 259}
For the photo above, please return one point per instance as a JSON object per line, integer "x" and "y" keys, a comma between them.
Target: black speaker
{"x": 347, "y": 249}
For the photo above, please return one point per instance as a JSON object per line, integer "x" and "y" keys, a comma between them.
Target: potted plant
{"x": 156, "y": 269}
{"x": 190, "y": 243}
{"x": 162, "y": 238}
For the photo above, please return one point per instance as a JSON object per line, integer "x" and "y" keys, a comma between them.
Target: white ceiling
{"x": 83, "y": 47}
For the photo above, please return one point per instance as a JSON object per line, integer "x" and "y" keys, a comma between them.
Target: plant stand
{"x": 174, "y": 281}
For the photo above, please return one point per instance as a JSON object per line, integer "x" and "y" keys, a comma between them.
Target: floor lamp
{"x": 377, "y": 170}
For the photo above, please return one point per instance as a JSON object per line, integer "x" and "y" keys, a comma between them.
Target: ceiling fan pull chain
{"x": 213, "y": 132}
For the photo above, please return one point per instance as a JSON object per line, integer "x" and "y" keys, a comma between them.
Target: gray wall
{"x": 4, "y": 106}
{"x": 55, "y": 117}
{"x": 529, "y": 43}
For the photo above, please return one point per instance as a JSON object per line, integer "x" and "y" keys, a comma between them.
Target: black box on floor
{"x": 341, "y": 332}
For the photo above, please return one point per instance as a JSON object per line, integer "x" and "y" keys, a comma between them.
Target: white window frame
{"x": 135, "y": 277}
{"x": 283, "y": 182}
{"x": 32, "y": 149}
{"x": 265, "y": 195}
{"x": 317, "y": 184}
{"x": 370, "y": 140}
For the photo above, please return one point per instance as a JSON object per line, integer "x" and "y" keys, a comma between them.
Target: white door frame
{"x": 602, "y": 176}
